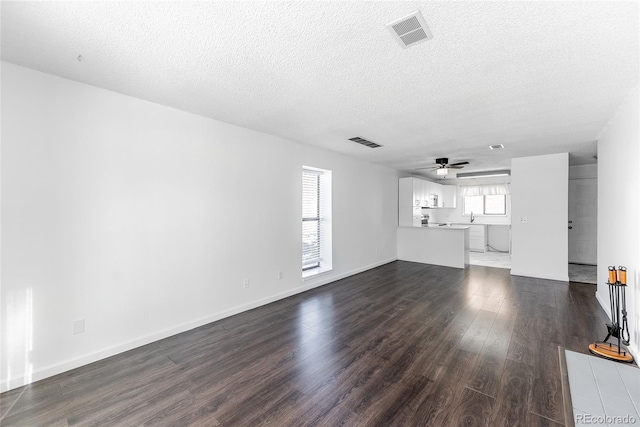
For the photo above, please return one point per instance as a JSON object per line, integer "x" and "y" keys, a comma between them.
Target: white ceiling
{"x": 539, "y": 77}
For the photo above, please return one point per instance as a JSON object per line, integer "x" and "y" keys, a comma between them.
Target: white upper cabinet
{"x": 439, "y": 193}
{"x": 423, "y": 193}
{"x": 426, "y": 196}
{"x": 449, "y": 196}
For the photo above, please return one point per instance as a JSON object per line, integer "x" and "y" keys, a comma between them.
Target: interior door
{"x": 583, "y": 211}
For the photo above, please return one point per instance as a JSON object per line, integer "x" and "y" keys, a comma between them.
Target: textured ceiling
{"x": 538, "y": 77}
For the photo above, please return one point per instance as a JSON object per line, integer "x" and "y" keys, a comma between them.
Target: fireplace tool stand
{"x": 618, "y": 328}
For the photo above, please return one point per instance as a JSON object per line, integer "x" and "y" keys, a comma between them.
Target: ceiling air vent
{"x": 364, "y": 142}
{"x": 410, "y": 30}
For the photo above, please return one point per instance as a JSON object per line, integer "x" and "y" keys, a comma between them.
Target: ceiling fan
{"x": 443, "y": 166}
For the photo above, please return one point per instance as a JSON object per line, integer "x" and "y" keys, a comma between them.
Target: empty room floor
{"x": 491, "y": 259}
{"x": 583, "y": 273}
{"x": 401, "y": 344}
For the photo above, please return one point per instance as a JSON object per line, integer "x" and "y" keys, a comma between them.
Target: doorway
{"x": 582, "y": 228}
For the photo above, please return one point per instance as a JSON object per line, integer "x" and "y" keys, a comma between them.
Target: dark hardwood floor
{"x": 404, "y": 344}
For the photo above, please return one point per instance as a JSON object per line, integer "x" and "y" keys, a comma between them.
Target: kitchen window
{"x": 316, "y": 221}
{"x": 485, "y": 205}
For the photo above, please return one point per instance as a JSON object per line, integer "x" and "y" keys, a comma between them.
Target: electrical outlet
{"x": 245, "y": 284}
{"x": 280, "y": 275}
{"x": 523, "y": 220}
{"x": 78, "y": 327}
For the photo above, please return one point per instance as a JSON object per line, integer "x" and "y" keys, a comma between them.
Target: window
{"x": 310, "y": 220}
{"x": 485, "y": 205}
{"x": 316, "y": 221}
{"x": 495, "y": 205}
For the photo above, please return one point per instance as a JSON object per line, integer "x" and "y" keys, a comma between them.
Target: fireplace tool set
{"x": 618, "y": 328}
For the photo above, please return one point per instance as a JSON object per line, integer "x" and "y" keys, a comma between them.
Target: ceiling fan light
{"x": 442, "y": 171}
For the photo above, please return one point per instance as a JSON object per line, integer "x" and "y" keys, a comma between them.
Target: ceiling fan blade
{"x": 429, "y": 168}
{"x": 455, "y": 167}
{"x": 459, "y": 163}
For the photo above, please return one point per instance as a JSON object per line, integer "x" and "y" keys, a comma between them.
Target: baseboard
{"x": 633, "y": 349}
{"x": 566, "y": 391}
{"x": 539, "y": 276}
{"x": 604, "y": 303}
{"x": 324, "y": 279}
{"x": 58, "y": 368}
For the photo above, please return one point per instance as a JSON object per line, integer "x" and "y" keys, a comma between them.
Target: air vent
{"x": 496, "y": 147}
{"x": 410, "y": 30}
{"x": 364, "y": 142}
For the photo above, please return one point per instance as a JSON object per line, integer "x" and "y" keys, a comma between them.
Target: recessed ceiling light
{"x": 496, "y": 147}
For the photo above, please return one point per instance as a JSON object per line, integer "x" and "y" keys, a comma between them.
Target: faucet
{"x": 472, "y": 218}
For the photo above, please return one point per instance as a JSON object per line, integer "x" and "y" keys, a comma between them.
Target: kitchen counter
{"x": 433, "y": 244}
{"x": 448, "y": 227}
{"x": 506, "y": 224}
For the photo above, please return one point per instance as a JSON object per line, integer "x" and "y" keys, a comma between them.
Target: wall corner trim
{"x": 536, "y": 275}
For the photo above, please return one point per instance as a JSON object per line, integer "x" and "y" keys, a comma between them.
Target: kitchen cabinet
{"x": 478, "y": 238}
{"x": 429, "y": 190}
{"x": 437, "y": 191}
{"x": 426, "y": 195}
{"x": 449, "y": 196}
{"x": 415, "y": 192}
{"x": 406, "y": 202}
{"x": 423, "y": 188}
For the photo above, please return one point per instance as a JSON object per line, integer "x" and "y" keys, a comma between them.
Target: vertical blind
{"x": 310, "y": 219}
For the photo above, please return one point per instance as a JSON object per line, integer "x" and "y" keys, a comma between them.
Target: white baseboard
{"x": 634, "y": 350}
{"x": 604, "y": 303}
{"x": 536, "y": 275}
{"x": 58, "y": 368}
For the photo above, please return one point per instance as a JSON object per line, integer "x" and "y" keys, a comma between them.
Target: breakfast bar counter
{"x": 438, "y": 245}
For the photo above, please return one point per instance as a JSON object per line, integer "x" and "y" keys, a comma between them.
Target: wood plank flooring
{"x": 404, "y": 344}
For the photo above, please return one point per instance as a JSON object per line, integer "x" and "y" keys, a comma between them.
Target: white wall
{"x": 539, "y": 193}
{"x": 619, "y": 208}
{"x": 145, "y": 220}
{"x": 583, "y": 171}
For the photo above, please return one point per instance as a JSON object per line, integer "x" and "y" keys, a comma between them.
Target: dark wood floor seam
{"x": 476, "y": 391}
{"x": 6, "y": 413}
{"x": 549, "y": 419}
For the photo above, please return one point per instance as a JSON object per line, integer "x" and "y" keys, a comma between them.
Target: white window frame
{"x": 464, "y": 206}
{"x": 324, "y": 232}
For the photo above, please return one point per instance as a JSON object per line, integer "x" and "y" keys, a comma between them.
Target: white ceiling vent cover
{"x": 410, "y": 30}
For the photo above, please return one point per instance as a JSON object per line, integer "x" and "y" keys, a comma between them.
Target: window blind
{"x": 310, "y": 219}
{"x": 484, "y": 190}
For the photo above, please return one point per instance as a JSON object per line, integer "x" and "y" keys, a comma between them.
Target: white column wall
{"x": 539, "y": 195}
{"x": 619, "y": 208}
